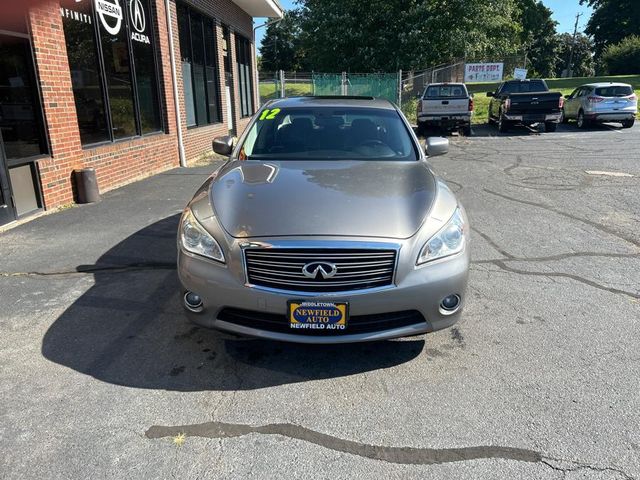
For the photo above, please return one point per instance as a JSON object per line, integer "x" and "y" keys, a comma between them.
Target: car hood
{"x": 343, "y": 198}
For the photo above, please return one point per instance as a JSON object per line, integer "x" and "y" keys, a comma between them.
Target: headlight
{"x": 195, "y": 239}
{"x": 448, "y": 241}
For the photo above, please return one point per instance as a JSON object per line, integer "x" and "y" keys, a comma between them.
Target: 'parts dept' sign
{"x": 483, "y": 72}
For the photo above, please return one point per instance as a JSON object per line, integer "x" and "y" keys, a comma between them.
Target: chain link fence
{"x": 291, "y": 84}
{"x": 402, "y": 88}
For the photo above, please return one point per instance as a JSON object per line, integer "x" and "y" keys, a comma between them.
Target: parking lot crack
{"x": 503, "y": 266}
{"x": 398, "y": 455}
{"x": 91, "y": 269}
{"x": 576, "y": 467}
{"x": 560, "y": 256}
{"x": 549, "y": 208}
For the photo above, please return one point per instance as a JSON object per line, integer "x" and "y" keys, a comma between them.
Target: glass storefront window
{"x": 117, "y": 72}
{"x": 110, "y": 45}
{"x": 20, "y": 115}
{"x": 85, "y": 77}
{"x": 199, "y": 67}
{"x": 243, "y": 59}
{"x": 145, "y": 66}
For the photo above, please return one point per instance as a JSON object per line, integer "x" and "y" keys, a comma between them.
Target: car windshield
{"x": 614, "y": 91}
{"x": 445, "y": 91}
{"x": 524, "y": 87}
{"x": 328, "y": 133}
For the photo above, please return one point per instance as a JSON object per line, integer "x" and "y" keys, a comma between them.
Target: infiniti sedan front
{"x": 326, "y": 225}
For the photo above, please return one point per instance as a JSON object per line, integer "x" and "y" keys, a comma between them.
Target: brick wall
{"x": 124, "y": 161}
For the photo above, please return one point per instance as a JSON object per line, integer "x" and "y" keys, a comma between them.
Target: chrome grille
{"x": 356, "y": 269}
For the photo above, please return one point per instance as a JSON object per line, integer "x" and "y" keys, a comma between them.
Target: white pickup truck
{"x": 445, "y": 105}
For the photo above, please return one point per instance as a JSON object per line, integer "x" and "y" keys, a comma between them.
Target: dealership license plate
{"x": 304, "y": 315}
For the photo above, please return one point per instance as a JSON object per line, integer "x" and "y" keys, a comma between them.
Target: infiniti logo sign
{"x": 323, "y": 269}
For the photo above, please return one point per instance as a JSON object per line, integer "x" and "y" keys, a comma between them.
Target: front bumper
{"x": 415, "y": 288}
{"x": 532, "y": 118}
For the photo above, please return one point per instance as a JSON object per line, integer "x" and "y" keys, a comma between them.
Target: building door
{"x": 22, "y": 138}
{"x": 7, "y": 212}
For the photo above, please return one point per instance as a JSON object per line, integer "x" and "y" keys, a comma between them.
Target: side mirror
{"x": 491, "y": 94}
{"x": 435, "y": 146}
{"x": 223, "y": 145}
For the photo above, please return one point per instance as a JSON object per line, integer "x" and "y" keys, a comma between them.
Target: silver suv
{"x": 601, "y": 102}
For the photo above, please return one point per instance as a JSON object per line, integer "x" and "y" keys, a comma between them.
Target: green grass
{"x": 563, "y": 85}
{"x": 271, "y": 90}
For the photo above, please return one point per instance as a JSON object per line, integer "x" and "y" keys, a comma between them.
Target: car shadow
{"x": 129, "y": 329}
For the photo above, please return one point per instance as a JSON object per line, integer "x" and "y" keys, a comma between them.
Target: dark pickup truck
{"x": 526, "y": 102}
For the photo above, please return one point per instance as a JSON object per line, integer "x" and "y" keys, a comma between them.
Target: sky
{"x": 564, "y": 12}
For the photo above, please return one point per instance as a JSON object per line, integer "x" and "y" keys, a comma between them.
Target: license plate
{"x": 305, "y": 315}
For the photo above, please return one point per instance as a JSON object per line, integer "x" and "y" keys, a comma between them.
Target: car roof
{"x": 606, "y": 84}
{"x": 333, "y": 101}
{"x": 445, "y": 83}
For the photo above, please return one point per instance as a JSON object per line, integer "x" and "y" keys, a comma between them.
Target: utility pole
{"x": 573, "y": 45}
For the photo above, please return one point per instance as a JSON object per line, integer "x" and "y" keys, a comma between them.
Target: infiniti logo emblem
{"x": 323, "y": 269}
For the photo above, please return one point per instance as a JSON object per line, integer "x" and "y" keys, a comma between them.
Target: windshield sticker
{"x": 269, "y": 114}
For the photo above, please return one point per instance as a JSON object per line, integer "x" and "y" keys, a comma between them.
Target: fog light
{"x": 193, "y": 302}
{"x": 450, "y": 303}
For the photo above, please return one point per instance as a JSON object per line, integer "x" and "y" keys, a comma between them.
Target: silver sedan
{"x": 326, "y": 225}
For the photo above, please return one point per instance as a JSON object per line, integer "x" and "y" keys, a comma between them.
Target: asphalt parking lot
{"x": 102, "y": 377}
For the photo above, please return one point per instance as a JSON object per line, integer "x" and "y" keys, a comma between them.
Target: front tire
{"x": 550, "y": 127}
{"x": 628, "y": 123}
{"x": 503, "y": 125}
{"x": 582, "y": 122}
{"x": 563, "y": 117}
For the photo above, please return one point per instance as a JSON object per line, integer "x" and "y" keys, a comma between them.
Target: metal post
{"x": 174, "y": 80}
{"x": 399, "y": 87}
{"x": 344, "y": 84}
{"x": 282, "y": 89}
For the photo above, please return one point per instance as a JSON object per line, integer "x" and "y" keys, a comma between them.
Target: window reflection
{"x": 20, "y": 115}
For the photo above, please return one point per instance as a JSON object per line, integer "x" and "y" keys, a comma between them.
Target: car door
{"x": 570, "y": 103}
{"x": 582, "y": 100}
{"x": 494, "y": 104}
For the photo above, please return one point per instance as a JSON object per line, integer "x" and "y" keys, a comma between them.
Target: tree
{"x": 612, "y": 21}
{"x": 623, "y": 58}
{"x": 281, "y": 47}
{"x": 583, "y": 63}
{"x": 539, "y": 37}
{"x": 387, "y": 35}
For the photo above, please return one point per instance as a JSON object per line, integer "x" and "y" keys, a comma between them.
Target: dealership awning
{"x": 261, "y": 8}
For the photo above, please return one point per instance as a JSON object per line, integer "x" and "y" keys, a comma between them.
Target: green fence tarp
{"x": 379, "y": 85}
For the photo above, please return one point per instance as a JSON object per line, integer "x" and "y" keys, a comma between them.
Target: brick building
{"x": 128, "y": 87}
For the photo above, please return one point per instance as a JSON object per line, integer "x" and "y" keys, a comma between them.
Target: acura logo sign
{"x": 319, "y": 269}
{"x": 137, "y": 15}
{"x": 138, "y": 21}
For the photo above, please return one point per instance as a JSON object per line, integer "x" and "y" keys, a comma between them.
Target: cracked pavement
{"x": 100, "y": 371}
